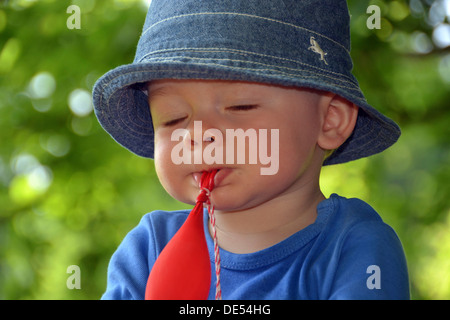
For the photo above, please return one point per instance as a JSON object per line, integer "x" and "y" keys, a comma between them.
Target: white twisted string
{"x": 216, "y": 251}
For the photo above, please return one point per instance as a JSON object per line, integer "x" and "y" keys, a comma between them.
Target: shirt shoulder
{"x": 352, "y": 211}
{"x": 364, "y": 243}
{"x": 162, "y": 225}
{"x": 130, "y": 264}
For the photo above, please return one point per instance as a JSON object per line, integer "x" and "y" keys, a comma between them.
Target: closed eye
{"x": 173, "y": 122}
{"x": 243, "y": 107}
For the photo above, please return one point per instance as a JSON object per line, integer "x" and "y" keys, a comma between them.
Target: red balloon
{"x": 183, "y": 269}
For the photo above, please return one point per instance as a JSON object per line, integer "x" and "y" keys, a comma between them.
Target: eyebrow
{"x": 159, "y": 92}
{"x": 162, "y": 91}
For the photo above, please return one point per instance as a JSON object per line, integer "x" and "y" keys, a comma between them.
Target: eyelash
{"x": 173, "y": 122}
{"x": 243, "y": 107}
{"x": 233, "y": 108}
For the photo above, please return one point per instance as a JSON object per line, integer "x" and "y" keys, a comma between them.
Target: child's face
{"x": 296, "y": 158}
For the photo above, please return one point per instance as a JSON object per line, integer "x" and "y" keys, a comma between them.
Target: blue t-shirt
{"x": 347, "y": 253}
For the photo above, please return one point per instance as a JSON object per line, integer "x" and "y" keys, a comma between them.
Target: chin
{"x": 229, "y": 202}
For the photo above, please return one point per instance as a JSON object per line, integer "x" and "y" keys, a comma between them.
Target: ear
{"x": 339, "y": 119}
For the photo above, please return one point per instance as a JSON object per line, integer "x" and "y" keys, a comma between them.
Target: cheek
{"x": 160, "y": 154}
{"x": 165, "y": 168}
{"x": 298, "y": 139}
{"x": 163, "y": 148}
{"x": 175, "y": 179}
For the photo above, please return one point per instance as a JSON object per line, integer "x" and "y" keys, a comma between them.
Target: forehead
{"x": 161, "y": 87}
{"x": 222, "y": 88}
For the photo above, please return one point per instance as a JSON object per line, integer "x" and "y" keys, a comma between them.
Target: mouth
{"x": 221, "y": 174}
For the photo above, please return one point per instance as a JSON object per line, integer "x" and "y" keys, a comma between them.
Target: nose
{"x": 208, "y": 136}
{"x": 201, "y": 139}
{"x": 200, "y": 135}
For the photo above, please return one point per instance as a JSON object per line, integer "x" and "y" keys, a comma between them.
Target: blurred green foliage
{"x": 69, "y": 193}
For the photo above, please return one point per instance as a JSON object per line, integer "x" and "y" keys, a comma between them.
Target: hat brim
{"x": 121, "y": 105}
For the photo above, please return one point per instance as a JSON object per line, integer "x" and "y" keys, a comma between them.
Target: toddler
{"x": 261, "y": 93}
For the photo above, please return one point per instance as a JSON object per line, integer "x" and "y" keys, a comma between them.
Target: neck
{"x": 260, "y": 227}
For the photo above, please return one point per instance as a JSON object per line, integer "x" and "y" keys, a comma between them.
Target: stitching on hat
{"x": 130, "y": 120}
{"x": 355, "y": 86}
{"x": 107, "y": 84}
{"x": 243, "y": 52}
{"x": 363, "y": 147}
{"x": 292, "y": 76}
{"x": 249, "y": 16}
{"x": 231, "y": 67}
{"x": 374, "y": 143}
{"x": 317, "y": 75}
{"x": 297, "y": 75}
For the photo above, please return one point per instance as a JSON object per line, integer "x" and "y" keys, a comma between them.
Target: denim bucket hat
{"x": 300, "y": 43}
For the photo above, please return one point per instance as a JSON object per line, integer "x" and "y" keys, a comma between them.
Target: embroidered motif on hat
{"x": 317, "y": 49}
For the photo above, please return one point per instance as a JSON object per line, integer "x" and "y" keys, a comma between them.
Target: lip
{"x": 221, "y": 174}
